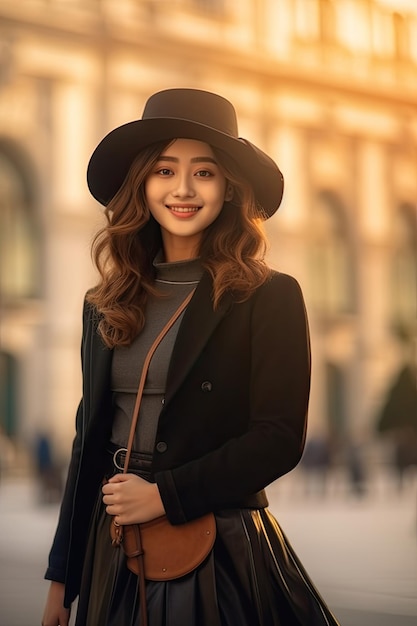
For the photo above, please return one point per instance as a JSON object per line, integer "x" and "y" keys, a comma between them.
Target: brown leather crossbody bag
{"x": 158, "y": 550}
{"x": 164, "y": 551}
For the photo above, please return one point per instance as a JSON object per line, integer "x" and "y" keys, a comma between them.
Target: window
{"x": 19, "y": 250}
{"x": 404, "y": 267}
{"x": 214, "y": 7}
{"x": 331, "y": 262}
{"x": 8, "y": 394}
{"x": 401, "y": 46}
{"x": 306, "y": 19}
{"x": 327, "y": 20}
{"x": 335, "y": 400}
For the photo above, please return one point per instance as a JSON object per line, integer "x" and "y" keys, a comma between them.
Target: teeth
{"x": 184, "y": 209}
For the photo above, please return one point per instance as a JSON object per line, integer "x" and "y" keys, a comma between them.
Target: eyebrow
{"x": 200, "y": 159}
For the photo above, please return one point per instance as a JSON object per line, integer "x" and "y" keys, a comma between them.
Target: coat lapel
{"x": 198, "y": 323}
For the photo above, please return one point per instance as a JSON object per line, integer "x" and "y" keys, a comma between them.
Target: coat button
{"x": 161, "y": 446}
{"x": 206, "y": 386}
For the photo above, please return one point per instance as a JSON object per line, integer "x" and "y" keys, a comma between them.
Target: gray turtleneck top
{"x": 174, "y": 281}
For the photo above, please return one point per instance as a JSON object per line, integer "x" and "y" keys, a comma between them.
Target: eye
{"x": 164, "y": 171}
{"x": 204, "y": 174}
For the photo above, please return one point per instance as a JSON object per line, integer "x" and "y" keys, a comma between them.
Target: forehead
{"x": 188, "y": 148}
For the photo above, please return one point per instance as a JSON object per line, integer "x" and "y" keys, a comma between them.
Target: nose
{"x": 183, "y": 186}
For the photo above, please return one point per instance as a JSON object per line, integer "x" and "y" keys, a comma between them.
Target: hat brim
{"x": 111, "y": 160}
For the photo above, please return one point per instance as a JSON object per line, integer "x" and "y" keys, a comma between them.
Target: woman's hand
{"x": 55, "y": 614}
{"x": 132, "y": 500}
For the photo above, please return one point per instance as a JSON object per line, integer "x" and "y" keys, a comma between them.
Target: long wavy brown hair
{"x": 232, "y": 249}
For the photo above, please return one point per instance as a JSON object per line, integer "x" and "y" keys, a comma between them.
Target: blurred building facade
{"x": 327, "y": 87}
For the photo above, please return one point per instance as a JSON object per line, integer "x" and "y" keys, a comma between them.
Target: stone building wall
{"x": 329, "y": 89}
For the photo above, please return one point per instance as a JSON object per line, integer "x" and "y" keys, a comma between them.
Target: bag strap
{"x": 135, "y": 415}
{"x": 145, "y": 368}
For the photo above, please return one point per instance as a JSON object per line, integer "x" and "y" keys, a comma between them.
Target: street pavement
{"x": 360, "y": 552}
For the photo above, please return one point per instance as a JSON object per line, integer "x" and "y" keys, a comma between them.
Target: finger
{"x": 108, "y": 488}
{"x": 119, "y": 478}
{"x": 112, "y": 509}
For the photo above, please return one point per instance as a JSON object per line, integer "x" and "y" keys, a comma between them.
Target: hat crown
{"x": 193, "y": 105}
{"x": 189, "y": 114}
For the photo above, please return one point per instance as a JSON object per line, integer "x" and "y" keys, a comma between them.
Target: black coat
{"x": 233, "y": 420}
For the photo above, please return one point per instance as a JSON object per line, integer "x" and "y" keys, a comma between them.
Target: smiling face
{"x": 185, "y": 193}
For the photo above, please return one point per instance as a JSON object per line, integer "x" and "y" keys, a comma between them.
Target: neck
{"x": 179, "y": 249}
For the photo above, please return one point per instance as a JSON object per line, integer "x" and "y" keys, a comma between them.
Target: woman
{"x": 223, "y": 412}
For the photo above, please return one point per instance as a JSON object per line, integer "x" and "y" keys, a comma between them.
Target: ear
{"x": 229, "y": 192}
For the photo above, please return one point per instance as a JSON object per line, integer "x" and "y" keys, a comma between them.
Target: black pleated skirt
{"x": 252, "y": 577}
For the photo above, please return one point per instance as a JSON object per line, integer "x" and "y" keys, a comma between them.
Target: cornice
{"x": 104, "y": 37}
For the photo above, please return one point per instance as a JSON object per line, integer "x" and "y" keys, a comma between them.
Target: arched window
{"x": 19, "y": 237}
{"x": 404, "y": 267}
{"x": 331, "y": 259}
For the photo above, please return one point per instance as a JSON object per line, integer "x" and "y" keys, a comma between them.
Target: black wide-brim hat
{"x": 185, "y": 114}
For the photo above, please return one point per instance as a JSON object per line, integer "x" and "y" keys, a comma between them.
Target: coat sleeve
{"x": 273, "y": 441}
{"x": 58, "y": 555}
{"x": 57, "y": 563}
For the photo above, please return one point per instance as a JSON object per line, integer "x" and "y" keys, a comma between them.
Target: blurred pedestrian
{"x": 398, "y": 420}
{"x": 47, "y": 468}
{"x": 356, "y": 467}
{"x": 223, "y": 412}
{"x": 316, "y": 463}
